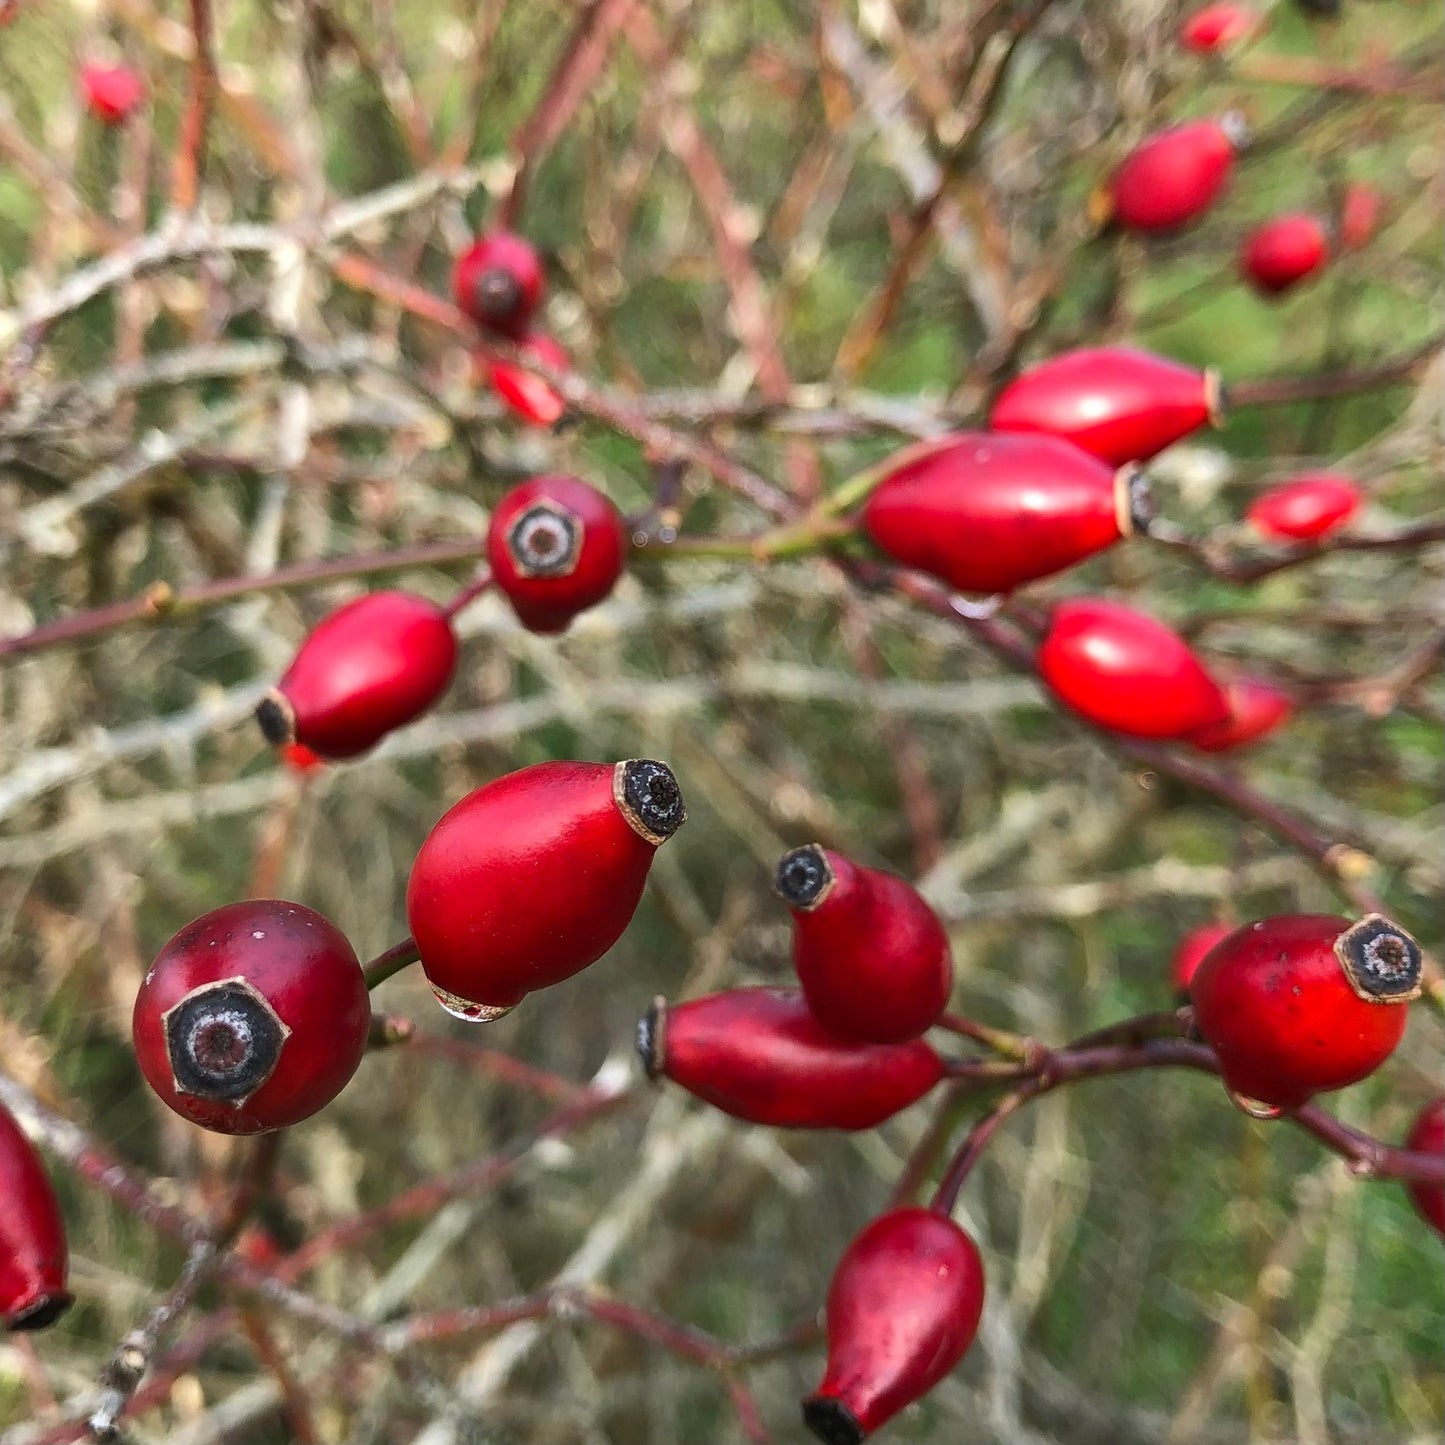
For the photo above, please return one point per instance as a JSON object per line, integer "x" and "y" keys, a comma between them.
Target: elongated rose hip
{"x": 870, "y": 953}
{"x": 1217, "y": 28}
{"x": 987, "y": 512}
{"x": 1114, "y": 402}
{"x": 34, "y": 1257}
{"x": 526, "y": 393}
{"x": 1123, "y": 670}
{"x": 556, "y": 547}
{"x": 759, "y": 1054}
{"x": 1256, "y": 709}
{"x": 1305, "y": 508}
{"x": 369, "y": 667}
{"x": 1304, "y": 1004}
{"x": 1173, "y": 177}
{"x": 531, "y": 878}
{"x": 903, "y": 1308}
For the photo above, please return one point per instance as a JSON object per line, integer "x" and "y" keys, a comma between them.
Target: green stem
{"x": 396, "y": 958}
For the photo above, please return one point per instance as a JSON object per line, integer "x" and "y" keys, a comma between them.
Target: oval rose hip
{"x": 1216, "y": 28}
{"x": 1281, "y": 253}
{"x": 1190, "y": 953}
{"x": 903, "y": 1308}
{"x": 1304, "y": 1004}
{"x": 112, "y": 92}
{"x": 531, "y": 878}
{"x": 759, "y": 1054}
{"x": 498, "y": 282}
{"x": 987, "y": 512}
{"x": 524, "y": 391}
{"x": 1306, "y": 507}
{"x": 1428, "y": 1136}
{"x": 368, "y": 667}
{"x": 556, "y": 547}
{"x": 1114, "y": 402}
{"x": 870, "y": 953}
{"x": 1121, "y": 669}
{"x": 1256, "y": 709}
{"x": 34, "y": 1257}
{"x": 252, "y": 1017}
{"x": 1173, "y": 177}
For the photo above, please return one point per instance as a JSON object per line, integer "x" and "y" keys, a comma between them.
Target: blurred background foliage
{"x": 1160, "y": 1266}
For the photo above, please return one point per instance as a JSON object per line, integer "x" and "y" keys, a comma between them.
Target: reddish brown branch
{"x": 191, "y": 145}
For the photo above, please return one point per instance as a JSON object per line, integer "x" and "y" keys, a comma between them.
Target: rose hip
{"x": 34, "y": 1257}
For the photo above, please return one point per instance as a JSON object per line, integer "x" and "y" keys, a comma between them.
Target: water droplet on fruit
{"x": 469, "y": 1012}
{"x": 1255, "y": 1108}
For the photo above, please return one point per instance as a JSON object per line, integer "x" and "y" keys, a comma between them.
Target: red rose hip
{"x": 113, "y": 92}
{"x": 252, "y": 1017}
{"x": 526, "y": 393}
{"x": 1216, "y": 28}
{"x": 903, "y": 1308}
{"x": 34, "y": 1257}
{"x": 1428, "y": 1137}
{"x": 987, "y": 512}
{"x": 1256, "y": 709}
{"x": 1173, "y": 177}
{"x": 759, "y": 1054}
{"x": 1114, "y": 402}
{"x": 1281, "y": 253}
{"x": 1304, "y": 1004}
{"x": 1121, "y": 669}
{"x": 556, "y": 547}
{"x": 1306, "y": 507}
{"x": 373, "y": 665}
{"x": 1359, "y": 215}
{"x": 870, "y": 953}
{"x": 498, "y": 282}
{"x": 534, "y": 876}
{"x": 1191, "y": 952}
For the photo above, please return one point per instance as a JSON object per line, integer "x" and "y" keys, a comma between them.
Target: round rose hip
{"x": 987, "y": 512}
{"x": 113, "y": 92}
{"x": 556, "y": 547}
{"x": 1191, "y": 952}
{"x": 1114, "y": 402}
{"x": 1122, "y": 670}
{"x": 534, "y": 876}
{"x": 252, "y": 1017}
{"x": 498, "y": 282}
{"x": 759, "y": 1054}
{"x": 1428, "y": 1136}
{"x": 870, "y": 953}
{"x": 1281, "y": 253}
{"x": 365, "y": 669}
{"x": 1304, "y": 1004}
{"x": 34, "y": 1257}
{"x": 1305, "y": 508}
{"x": 903, "y": 1308}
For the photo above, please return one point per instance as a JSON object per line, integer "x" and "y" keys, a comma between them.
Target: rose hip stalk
{"x": 1428, "y": 1136}
{"x": 252, "y": 1017}
{"x": 1173, "y": 177}
{"x": 556, "y": 547}
{"x": 370, "y": 666}
{"x": 1306, "y": 507}
{"x": 903, "y": 1308}
{"x": 1121, "y": 669}
{"x": 498, "y": 282}
{"x": 33, "y": 1255}
{"x": 1304, "y": 1004}
{"x": 760, "y": 1055}
{"x": 1256, "y": 709}
{"x": 871, "y": 955}
{"x": 1116, "y": 403}
{"x": 534, "y": 876}
{"x": 987, "y": 512}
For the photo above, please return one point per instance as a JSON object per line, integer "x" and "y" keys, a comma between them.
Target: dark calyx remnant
{"x": 832, "y": 1421}
{"x": 1141, "y": 500}
{"x": 224, "y": 1040}
{"x": 803, "y": 876}
{"x": 498, "y": 295}
{"x": 652, "y": 1038}
{"x": 1381, "y": 960}
{"x": 545, "y": 541}
{"x": 651, "y": 798}
{"x": 276, "y": 720}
